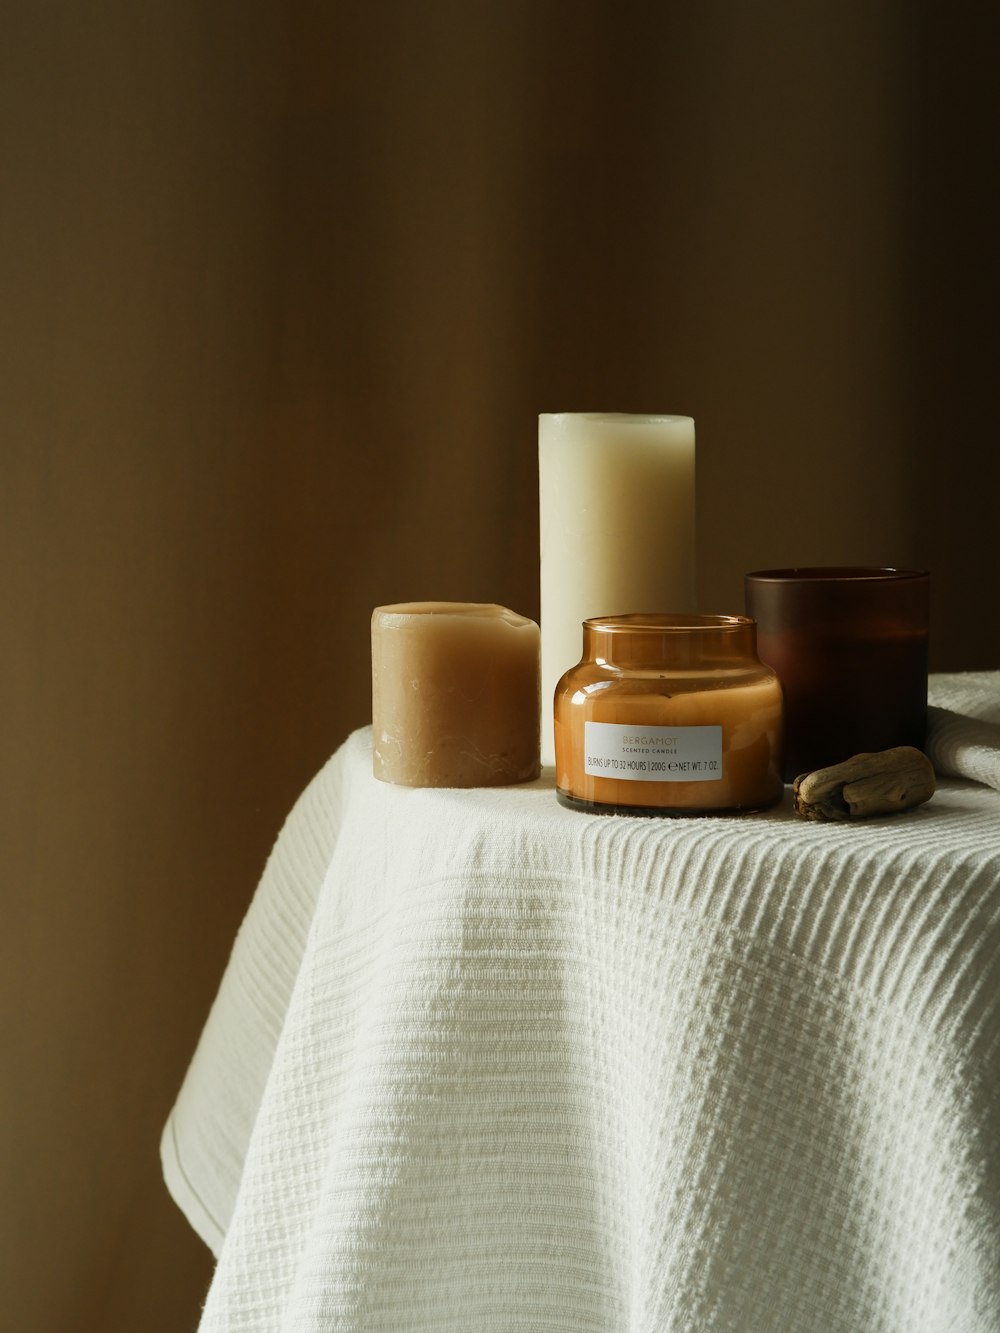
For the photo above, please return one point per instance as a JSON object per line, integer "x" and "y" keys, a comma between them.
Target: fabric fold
{"x": 481, "y": 1062}
{"x": 963, "y": 726}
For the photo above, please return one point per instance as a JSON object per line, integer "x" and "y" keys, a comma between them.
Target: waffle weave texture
{"x": 479, "y": 1063}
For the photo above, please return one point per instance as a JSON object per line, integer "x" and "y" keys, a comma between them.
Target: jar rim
{"x": 639, "y": 622}
{"x": 836, "y": 574}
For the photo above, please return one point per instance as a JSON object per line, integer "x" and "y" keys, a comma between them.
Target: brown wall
{"x": 283, "y": 289}
{"x": 136, "y": 350}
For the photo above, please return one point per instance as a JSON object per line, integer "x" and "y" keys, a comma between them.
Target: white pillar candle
{"x": 455, "y": 699}
{"x": 616, "y": 502}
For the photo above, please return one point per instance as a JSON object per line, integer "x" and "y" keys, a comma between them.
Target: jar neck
{"x": 696, "y": 642}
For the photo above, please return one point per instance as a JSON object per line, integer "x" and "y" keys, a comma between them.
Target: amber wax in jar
{"x": 668, "y": 715}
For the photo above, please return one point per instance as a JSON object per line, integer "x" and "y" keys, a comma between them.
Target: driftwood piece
{"x": 881, "y": 783}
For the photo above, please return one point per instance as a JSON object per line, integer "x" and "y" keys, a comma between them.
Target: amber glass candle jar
{"x": 668, "y": 715}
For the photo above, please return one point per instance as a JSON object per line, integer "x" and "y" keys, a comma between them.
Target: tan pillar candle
{"x": 455, "y": 695}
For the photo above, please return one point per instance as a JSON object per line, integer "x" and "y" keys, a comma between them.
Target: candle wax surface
{"x": 455, "y": 695}
{"x": 616, "y": 518}
{"x": 749, "y": 715}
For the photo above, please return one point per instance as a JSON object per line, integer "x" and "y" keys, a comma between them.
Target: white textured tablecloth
{"x": 482, "y": 1063}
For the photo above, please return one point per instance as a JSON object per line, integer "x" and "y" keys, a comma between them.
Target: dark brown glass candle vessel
{"x": 849, "y": 646}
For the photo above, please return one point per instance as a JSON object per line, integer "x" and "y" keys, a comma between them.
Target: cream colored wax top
{"x": 616, "y": 510}
{"x": 455, "y": 695}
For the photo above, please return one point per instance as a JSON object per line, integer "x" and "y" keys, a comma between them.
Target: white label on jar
{"x": 652, "y": 754}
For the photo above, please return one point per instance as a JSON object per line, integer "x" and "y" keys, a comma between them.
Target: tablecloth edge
{"x": 182, "y": 1192}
